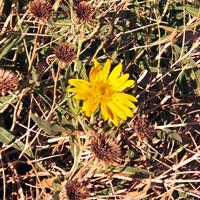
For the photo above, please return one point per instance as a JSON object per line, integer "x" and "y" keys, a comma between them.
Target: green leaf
{"x": 173, "y": 135}
{"x": 106, "y": 29}
{"x": 106, "y": 191}
{"x": 55, "y": 195}
{"x": 57, "y": 187}
{"x": 43, "y": 96}
{"x": 75, "y": 150}
{"x": 196, "y": 77}
{"x": 12, "y": 41}
{"x": 51, "y": 129}
{"x": 193, "y": 11}
{"x": 7, "y": 138}
{"x": 53, "y": 34}
{"x": 4, "y": 101}
{"x": 131, "y": 172}
{"x": 178, "y": 52}
{"x": 35, "y": 75}
{"x": 176, "y": 137}
{"x": 183, "y": 85}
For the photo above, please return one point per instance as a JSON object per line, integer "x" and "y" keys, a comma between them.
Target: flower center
{"x": 103, "y": 91}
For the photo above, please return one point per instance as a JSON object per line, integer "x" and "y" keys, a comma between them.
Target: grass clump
{"x": 128, "y": 130}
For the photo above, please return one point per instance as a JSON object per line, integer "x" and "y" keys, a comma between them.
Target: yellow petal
{"x": 94, "y": 75}
{"x": 110, "y": 113}
{"x": 96, "y": 63}
{"x": 80, "y": 88}
{"x": 127, "y": 96}
{"x": 112, "y": 116}
{"x": 99, "y": 76}
{"x": 104, "y": 110}
{"x": 126, "y": 110}
{"x": 77, "y": 90}
{"x": 106, "y": 69}
{"x": 120, "y": 81}
{"x": 91, "y": 73}
{"x": 99, "y": 72}
{"x": 115, "y": 120}
{"x": 92, "y": 109}
{"x": 90, "y": 106}
{"x": 125, "y": 101}
{"x": 84, "y": 95}
{"x": 115, "y": 73}
{"x": 78, "y": 82}
{"x": 127, "y": 84}
{"x": 117, "y": 110}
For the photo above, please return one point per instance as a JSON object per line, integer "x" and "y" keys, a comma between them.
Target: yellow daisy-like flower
{"x": 105, "y": 89}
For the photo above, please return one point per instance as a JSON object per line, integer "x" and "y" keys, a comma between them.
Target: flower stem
{"x": 55, "y": 87}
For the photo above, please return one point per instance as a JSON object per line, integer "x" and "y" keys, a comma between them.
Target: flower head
{"x": 64, "y": 52}
{"x": 75, "y": 190}
{"x": 41, "y": 9}
{"x": 106, "y": 148}
{"x": 105, "y": 90}
{"x": 76, "y": 2}
{"x": 143, "y": 127}
{"x": 9, "y": 81}
{"x": 84, "y": 11}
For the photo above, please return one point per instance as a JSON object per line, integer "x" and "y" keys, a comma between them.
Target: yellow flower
{"x": 104, "y": 89}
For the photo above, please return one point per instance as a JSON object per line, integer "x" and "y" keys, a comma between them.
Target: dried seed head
{"x": 41, "y": 9}
{"x": 9, "y": 81}
{"x": 84, "y": 12}
{"x": 64, "y": 53}
{"x": 74, "y": 190}
{"x": 76, "y": 2}
{"x": 143, "y": 127}
{"x": 106, "y": 149}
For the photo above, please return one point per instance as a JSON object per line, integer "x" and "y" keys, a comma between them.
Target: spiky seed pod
{"x": 84, "y": 12}
{"x": 41, "y": 9}
{"x": 9, "y": 81}
{"x": 76, "y": 2}
{"x": 106, "y": 148}
{"x": 74, "y": 190}
{"x": 143, "y": 127}
{"x": 64, "y": 52}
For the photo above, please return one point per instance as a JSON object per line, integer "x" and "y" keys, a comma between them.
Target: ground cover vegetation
{"x": 99, "y": 99}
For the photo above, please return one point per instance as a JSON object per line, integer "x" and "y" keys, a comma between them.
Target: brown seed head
{"x": 76, "y": 2}
{"x": 41, "y": 9}
{"x": 8, "y": 81}
{"x": 106, "y": 148}
{"x": 75, "y": 190}
{"x": 84, "y": 12}
{"x": 64, "y": 53}
{"x": 143, "y": 127}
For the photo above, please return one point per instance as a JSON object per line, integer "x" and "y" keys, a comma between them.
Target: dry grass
{"x": 46, "y": 139}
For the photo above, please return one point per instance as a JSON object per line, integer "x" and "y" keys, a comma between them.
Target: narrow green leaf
{"x": 196, "y": 76}
{"x": 55, "y": 35}
{"x": 74, "y": 148}
{"x": 51, "y": 129}
{"x": 7, "y": 138}
{"x": 106, "y": 29}
{"x": 173, "y": 135}
{"x": 12, "y": 41}
{"x": 43, "y": 96}
{"x": 131, "y": 172}
{"x": 5, "y": 101}
{"x": 176, "y": 137}
{"x": 193, "y": 11}
{"x": 178, "y": 51}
